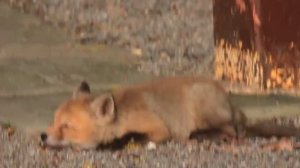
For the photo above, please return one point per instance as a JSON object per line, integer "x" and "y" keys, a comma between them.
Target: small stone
{"x": 137, "y": 52}
{"x": 164, "y": 56}
{"x": 151, "y": 146}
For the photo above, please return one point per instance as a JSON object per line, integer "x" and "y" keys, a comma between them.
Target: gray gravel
{"x": 174, "y": 36}
{"x": 21, "y": 150}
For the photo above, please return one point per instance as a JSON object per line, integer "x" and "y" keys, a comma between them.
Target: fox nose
{"x": 43, "y": 137}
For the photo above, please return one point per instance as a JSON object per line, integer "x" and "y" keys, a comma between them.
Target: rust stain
{"x": 258, "y": 44}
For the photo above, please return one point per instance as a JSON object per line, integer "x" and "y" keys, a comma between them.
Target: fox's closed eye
{"x": 68, "y": 126}
{"x": 65, "y": 125}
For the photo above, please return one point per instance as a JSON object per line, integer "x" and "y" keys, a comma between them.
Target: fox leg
{"x": 231, "y": 134}
{"x": 229, "y": 130}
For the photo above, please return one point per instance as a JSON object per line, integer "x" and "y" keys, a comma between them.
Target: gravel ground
{"x": 171, "y": 36}
{"x": 21, "y": 150}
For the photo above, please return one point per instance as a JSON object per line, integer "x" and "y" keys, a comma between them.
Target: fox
{"x": 161, "y": 109}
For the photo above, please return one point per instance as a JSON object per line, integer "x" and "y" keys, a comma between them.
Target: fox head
{"x": 83, "y": 121}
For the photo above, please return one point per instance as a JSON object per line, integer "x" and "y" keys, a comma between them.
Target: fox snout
{"x": 43, "y": 137}
{"x": 46, "y": 141}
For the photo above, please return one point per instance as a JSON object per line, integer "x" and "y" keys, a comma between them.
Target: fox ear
{"x": 82, "y": 91}
{"x": 104, "y": 107}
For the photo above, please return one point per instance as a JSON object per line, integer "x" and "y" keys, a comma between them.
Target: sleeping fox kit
{"x": 162, "y": 109}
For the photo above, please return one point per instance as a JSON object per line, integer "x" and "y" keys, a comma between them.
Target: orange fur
{"x": 161, "y": 109}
